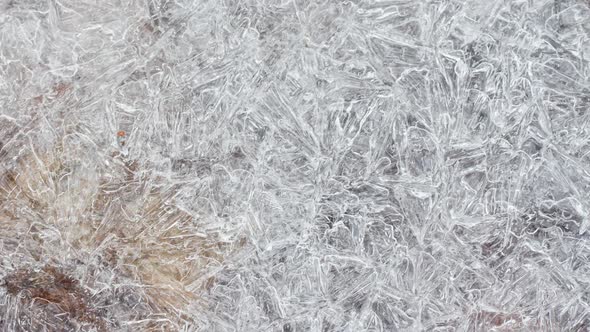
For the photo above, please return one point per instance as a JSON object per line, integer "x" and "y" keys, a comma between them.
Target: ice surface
{"x": 301, "y": 165}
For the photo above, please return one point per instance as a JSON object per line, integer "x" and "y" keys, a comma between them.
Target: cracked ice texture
{"x": 294, "y": 165}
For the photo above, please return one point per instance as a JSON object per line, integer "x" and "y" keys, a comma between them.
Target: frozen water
{"x": 300, "y": 165}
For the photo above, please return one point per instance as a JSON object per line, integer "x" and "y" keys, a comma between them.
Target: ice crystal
{"x": 300, "y": 165}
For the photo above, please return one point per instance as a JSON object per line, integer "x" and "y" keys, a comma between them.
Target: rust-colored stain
{"x": 61, "y": 89}
{"x": 38, "y": 100}
{"x": 160, "y": 251}
{"x": 50, "y": 286}
{"x": 121, "y": 137}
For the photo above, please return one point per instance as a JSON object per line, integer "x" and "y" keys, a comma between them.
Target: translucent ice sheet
{"x": 294, "y": 165}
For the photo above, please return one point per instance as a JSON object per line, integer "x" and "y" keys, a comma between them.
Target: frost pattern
{"x": 301, "y": 165}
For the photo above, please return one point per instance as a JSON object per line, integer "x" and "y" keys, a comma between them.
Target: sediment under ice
{"x": 300, "y": 165}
